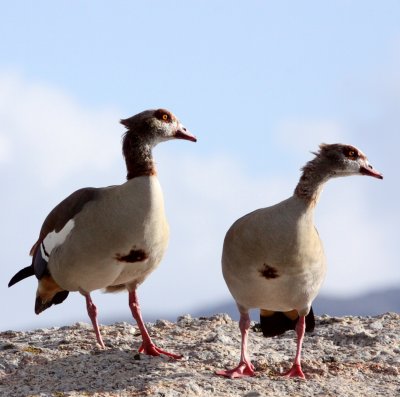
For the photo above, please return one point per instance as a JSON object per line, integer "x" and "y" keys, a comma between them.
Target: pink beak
{"x": 183, "y": 133}
{"x": 370, "y": 171}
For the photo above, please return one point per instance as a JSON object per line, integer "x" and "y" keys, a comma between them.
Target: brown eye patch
{"x": 351, "y": 153}
{"x": 164, "y": 115}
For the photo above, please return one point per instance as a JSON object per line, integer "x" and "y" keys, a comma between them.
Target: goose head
{"x": 346, "y": 160}
{"x": 154, "y": 126}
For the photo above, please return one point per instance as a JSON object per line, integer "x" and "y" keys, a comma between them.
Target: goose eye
{"x": 165, "y": 117}
{"x": 351, "y": 154}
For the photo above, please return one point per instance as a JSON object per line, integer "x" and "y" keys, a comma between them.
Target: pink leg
{"x": 92, "y": 311}
{"x": 245, "y": 367}
{"x": 296, "y": 370}
{"x": 147, "y": 347}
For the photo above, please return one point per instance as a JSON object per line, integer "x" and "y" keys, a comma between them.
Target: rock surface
{"x": 348, "y": 356}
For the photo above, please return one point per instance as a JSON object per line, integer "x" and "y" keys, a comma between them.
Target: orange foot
{"x": 242, "y": 370}
{"x": 152, "y": 350}
{"x": 295, "y": 372}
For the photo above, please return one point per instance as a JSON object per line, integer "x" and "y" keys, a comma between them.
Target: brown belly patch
{"x": 134, "y": 255}
{"x": 269, "y": 272}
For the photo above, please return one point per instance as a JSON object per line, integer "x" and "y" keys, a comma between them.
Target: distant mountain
{"x": 368, "y": 304}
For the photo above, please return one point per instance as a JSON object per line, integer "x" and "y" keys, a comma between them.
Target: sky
{"x": 260, "y": 83}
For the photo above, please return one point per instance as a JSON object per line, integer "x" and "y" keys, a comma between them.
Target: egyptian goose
{"x": 273, "y": 258}
{"x": 109, "y": 238}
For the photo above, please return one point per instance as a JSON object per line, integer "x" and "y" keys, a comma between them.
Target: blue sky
{"x": 260, "y": 83}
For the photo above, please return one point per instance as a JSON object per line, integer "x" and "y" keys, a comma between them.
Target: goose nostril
{"x": 370, "y": 166}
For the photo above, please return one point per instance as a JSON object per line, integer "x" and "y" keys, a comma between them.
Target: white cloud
{"x": 52, "y": 134}
{"x": 360, "y": 257}
{"x": 303, "y": 136}
{"x": 5, "y": 150}
{"x": 204, "y": 195}
{"x": 49, "y": 145}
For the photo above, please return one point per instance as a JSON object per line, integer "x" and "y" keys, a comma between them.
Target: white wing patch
{"x": 54, "y": 239}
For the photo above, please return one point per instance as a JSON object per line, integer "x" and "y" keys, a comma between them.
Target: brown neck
{"x": 138, "y": 157}
{"x": 311, "y": 183}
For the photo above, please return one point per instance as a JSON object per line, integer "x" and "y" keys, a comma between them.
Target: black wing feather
{"x": 23, "y": 273}
{"x": 278, "y": 323}
{"x": 56, "y": 220}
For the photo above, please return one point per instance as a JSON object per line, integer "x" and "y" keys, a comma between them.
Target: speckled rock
{"x": 348, "y": 356}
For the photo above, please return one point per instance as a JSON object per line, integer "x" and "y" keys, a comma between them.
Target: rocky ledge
{"x": 346, "y": 356}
